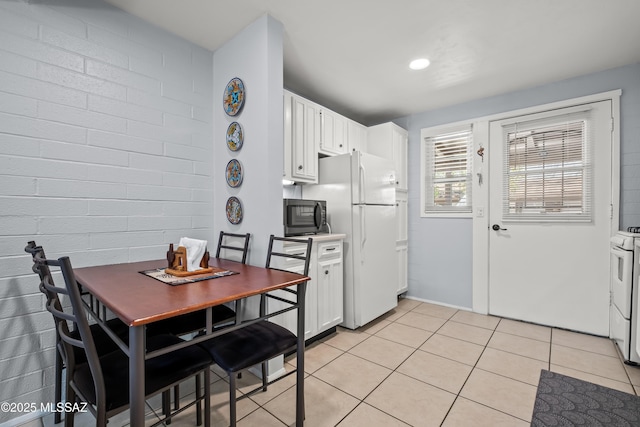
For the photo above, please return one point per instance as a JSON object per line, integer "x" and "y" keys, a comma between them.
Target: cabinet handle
{"x": 330, "y": 249}
{"x": 340, "y": 145}
{"x": 300, "y": 167}
{"x": 326, "y": 272}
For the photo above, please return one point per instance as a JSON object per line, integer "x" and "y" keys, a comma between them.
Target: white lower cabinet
{"x": 402, "y": 253}
{"x": 325, "y": 291}
{"x": 402, "y": 242}
{"x": 329, "y": 285}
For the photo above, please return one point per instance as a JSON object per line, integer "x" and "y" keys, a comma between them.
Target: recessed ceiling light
{"x": 419, "y": 64}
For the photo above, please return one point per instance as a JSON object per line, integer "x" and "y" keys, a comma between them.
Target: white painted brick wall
{"x": 105, "y": 156}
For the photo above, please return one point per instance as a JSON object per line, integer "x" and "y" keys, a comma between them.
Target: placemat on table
{"x": 159, "y": 274}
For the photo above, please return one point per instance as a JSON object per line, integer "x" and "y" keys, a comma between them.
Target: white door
{"x": 550, "y": 217}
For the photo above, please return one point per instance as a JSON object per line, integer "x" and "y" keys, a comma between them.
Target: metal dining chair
{"x": 233, "y": 242}
{"x": 231, "y": 246}
{"x": 103, "y": 343}
{"x": 102, "y": 380}
{"x": 196, "y": 321}
{"x": 260, "y": 341}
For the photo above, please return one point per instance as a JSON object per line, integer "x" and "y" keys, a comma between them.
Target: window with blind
{"x": 447, "y": 170}
{"x": 547, "y": 170}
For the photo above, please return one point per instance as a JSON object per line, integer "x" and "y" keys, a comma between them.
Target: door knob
{"x": 496, "y": 227}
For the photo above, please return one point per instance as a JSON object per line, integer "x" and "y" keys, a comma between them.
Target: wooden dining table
{"x": 139, "y": 300}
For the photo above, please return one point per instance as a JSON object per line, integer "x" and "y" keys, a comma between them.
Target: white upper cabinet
{"x": 301, "y": 138}
{"x": 310, "y": 130}
{"x": 333, "y": 133}
{"x": 357, "y": 136}
{"x": 390, "y": 141}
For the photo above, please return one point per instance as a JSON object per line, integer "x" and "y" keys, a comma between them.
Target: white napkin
{"x": 195, "y": 250}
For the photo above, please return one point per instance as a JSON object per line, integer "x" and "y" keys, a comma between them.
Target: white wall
{"x": 440, "y": 257}
{"x": 105, "y": 156}
{"x": 255, "y": 56}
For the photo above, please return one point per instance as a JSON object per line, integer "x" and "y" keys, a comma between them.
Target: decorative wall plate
{"x": 234, "y": 173}
{"x": 234, "y": 210}
{"x": 233, "y": 97}
{"x": 235, "y": 136}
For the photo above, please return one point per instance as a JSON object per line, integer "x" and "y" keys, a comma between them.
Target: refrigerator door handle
{"x": 363, "y": 181}
{"x": 363, "y": 231}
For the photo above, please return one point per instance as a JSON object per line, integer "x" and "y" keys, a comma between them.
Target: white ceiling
{"x": 352, "y": 55}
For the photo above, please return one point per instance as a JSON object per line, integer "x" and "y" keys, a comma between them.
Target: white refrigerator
{"x": 360, "y": 192}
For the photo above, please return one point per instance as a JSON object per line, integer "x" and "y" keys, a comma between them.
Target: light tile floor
{"x": 422, "y": 365}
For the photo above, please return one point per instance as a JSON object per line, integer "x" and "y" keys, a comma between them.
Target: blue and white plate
{"x": 233, "y": 97}
{"x": 234, "y": 210}
{"x": 235, "y": 136}
{"x": 234, "y": 173}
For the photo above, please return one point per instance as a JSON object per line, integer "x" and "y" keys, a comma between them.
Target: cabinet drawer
{"x": 291, "y": 264}
{"x": 329, "y": 250}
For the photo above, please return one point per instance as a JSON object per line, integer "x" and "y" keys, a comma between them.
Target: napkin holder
{"x": 177, "y": 263}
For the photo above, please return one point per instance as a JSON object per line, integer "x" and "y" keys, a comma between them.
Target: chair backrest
{"x": 75, "y": 314}
{"x": 37, "y": 252}
{"x": 301, "y": 253}
{"x": 43, "y": 271}
{"x": 234, "y": 242}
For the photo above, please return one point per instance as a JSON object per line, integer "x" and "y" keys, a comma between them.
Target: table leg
{"x": 300, "y": 357}
{"x": 136, "y": 375}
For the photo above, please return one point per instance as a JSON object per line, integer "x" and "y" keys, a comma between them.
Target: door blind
{"x": 548, "y": 169}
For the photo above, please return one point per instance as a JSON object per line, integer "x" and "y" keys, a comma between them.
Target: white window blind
{"x": 447, "y": 171}
{"x": 547, "y": 170}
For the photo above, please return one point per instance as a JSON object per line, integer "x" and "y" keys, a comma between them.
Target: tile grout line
{"x": 414, "y": 350}
{"x": 467, "y": 379}
{"x": 362, "y": 401}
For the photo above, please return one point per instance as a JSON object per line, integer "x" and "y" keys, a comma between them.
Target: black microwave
{"x": 304, "y": 216}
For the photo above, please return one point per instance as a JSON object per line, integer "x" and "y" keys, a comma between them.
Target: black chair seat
{"x": 249, "y": 346}
{"x": 160, "y": 372}
{"x": 190, "y": 322}
{"x": 104, "y": 343}
{"x": 261, "y": 341}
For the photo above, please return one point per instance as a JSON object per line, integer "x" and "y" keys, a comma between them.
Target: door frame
{"x": 480, "y": 269}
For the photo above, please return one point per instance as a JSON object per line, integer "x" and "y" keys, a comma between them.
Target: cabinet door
{"x": 402, "y": 256}
{"x": 333, "y": 133}
{"x": 402, "y": 250}
{"x": 401, "y": 216}
{"x": 330, "y": 293}
{"x": 289, "y": 319}
{"x": 390, "y": 141}
{"x": 400, "y": 141}
{"x": 305, "y": 132}
{"x": 357, "y": 136}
